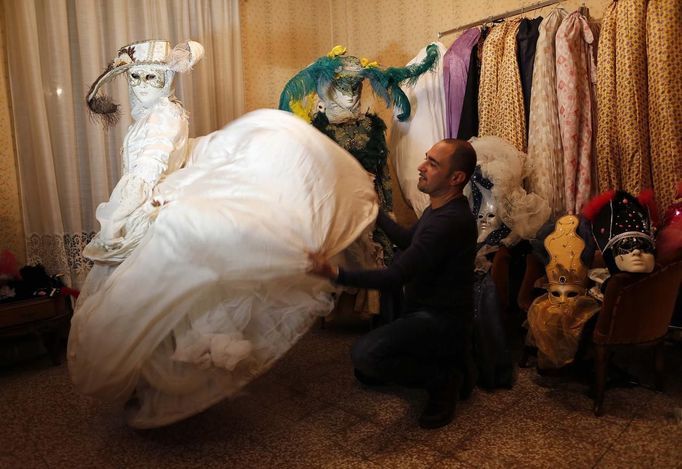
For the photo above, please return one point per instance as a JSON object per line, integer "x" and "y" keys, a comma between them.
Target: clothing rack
{"x": 490, "y": 19}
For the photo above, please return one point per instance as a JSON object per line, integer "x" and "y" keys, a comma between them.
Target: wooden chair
{"x": 637, "y": 310}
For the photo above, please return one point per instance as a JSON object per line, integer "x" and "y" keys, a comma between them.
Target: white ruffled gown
{"x": 216, "y": 290}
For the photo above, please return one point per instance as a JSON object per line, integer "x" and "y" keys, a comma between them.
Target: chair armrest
{"x": 637, "y": 308}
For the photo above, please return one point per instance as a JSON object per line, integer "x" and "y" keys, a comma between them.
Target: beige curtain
{"x": 68, "y": 164}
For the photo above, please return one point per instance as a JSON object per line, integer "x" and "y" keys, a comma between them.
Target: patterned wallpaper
{"x": 11, "y": 224}
{"x": 279, "y": 37}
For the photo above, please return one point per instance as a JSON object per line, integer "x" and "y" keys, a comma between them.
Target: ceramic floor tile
{"x": 407, "y": 454}
{"x": 470, "y": 419}
{"x": 646, "y": 444}
{"x": 524, "y": 437}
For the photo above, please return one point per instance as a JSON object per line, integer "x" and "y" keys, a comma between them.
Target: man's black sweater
{"x": 437, "y": 265}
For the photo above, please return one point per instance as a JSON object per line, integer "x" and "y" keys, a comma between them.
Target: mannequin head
{"x": 149, "y": 66}
{"x": 621, "y": 226}
{"x": 634, "y": 254}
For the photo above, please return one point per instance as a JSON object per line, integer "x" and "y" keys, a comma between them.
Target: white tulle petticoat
{"x": 216, "y": 291}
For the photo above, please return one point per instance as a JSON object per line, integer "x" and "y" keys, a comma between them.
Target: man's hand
{"x": 320, "y": 266}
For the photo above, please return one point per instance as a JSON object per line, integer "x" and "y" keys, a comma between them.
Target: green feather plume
{"x": 306, "y": 81}
{"x": 386, "y": 83}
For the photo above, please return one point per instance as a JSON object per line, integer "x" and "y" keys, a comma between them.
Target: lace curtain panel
{"x": 68, "y": 163}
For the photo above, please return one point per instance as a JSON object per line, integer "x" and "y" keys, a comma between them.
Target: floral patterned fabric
{"x": 545, "y": 153}
{"x": 575, "y": 74}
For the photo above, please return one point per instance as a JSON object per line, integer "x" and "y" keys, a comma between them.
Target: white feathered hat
{"x": 181, "y": 59}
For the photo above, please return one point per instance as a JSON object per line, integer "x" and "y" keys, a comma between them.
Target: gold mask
{"x": 566, "y": 273}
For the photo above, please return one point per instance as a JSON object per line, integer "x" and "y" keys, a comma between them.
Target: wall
{"x": 281, "y": 37}
{"x": 11, "y": 224}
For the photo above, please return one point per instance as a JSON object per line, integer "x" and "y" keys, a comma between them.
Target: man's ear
{"x": 458, "y": 178}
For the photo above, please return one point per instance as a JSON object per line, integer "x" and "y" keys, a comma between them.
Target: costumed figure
{"x": 556, "y": 319}
{"x": 216, "y": 289}
{"x": 505, "y": 212}
{"x": 505, "y": 215}
{"x": 622, "y": 229}
{"x": 154, "y": 145}
{"x": 333, "y": 84}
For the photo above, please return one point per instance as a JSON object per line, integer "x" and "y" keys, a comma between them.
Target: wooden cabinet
{"x": 46, "y": 317}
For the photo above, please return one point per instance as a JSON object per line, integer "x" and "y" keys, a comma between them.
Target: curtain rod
{"x": 490, "y": 19}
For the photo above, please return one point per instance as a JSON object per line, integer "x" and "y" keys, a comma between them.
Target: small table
{"x": 47, "y": 317}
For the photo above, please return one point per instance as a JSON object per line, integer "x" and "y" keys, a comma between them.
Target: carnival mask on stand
{"x": 621, "y": 225}
{"x": 337, "y": 80}
{"x": 557, "y": 318}
{"x": 491, "y": 230}
{"x": 566, "y": 273}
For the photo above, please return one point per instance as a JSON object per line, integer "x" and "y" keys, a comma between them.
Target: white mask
{"x": 487, "y": 219}
{"x": 148, "y": 83}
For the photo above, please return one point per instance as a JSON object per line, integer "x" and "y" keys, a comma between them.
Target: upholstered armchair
{"x": 637, "y": 310}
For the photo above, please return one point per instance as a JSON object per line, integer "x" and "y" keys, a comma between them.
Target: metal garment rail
{"x": 490, "y": 19}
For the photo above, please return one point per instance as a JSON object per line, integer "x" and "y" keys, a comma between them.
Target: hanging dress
{"x": 574, "y": 74}
{"x": 623, "y": 127}
{"x": 664, "y": 53}
{"x": 411, "y": 139}
{"x": 456, "y": 62}
{"x": 608, "y": 158}
{"x": 468, "y": 122}
{"x": 526, "y": 46}
{"x": 632, "y": 105}
{"x": 500, "y": 95}
{"x": 545, "y": 153}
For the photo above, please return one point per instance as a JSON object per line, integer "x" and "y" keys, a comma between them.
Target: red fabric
{"x": 592, "y": 208}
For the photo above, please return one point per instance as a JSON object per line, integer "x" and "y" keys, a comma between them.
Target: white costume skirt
{"x": 216, "y": 291}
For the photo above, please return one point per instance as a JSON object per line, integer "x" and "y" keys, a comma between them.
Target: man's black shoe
{"x": 367, "y": 380}
{"x": 440, "y": 408}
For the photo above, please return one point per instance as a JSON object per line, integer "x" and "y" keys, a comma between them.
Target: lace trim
{"x": 60, "y": 254}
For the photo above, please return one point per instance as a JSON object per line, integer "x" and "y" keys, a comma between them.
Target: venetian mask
{"x": 148, "y": 83}
{"x": 564, "y": 294}
{"x": 634, "y": 254}
{"x": 341, "y": 97}
{"x": 487, "y": 219}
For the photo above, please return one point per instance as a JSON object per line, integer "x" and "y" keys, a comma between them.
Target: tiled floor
{"x": 309, "y": 412}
